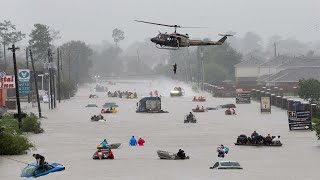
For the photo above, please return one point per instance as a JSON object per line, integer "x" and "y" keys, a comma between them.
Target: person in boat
{"x": 254, "y": 137}
{"x": 133, "y": 141}
{"x": 179, "y": 89}
{"x": 181, "y": 154}
{"x": 110, "y": 154}
{"x": 233, "y": 112}
{"x": 190, "y": 116}
{"x": 268, "y": 139}
{"x": 104, "y": 143}
{"x": 228, "y": 111}
{"x": 276, "y": 140}
{"x": 99, "y": 153}
{"x": 141, "y": 142}
{"x": 221, "y": 151}
{"x": 40, "y": 159}
{"x": 150, "y": 94}
{"x": 197, "y": 108}
{"x": 101, "y": 117}
{"x": 135, "y": 95}
{"x": 111, "y": 108}
{"x": 194, "y": 98}
{"x": 202, "y": 108}
{"x": 156, "y": 93}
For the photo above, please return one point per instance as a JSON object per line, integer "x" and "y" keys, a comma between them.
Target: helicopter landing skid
{"x": 167, "y": 47}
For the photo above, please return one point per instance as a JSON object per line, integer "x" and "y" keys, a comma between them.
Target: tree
{"x": 77, "y": 57}
{"x": 118, "y": 35}
{"x": 309, "y": 90}
{"x": 9, "y": 34}
{"x": 40, "y": 40}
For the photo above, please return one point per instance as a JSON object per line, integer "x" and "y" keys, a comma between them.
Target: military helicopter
{"x": 175, "y": 40}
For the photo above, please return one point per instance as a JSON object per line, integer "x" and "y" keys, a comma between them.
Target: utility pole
{"x": 53, "y": 81}
{"x": 27, "y": 62}
{"x": 35, "y": 83}
{"x": 13, "y": 49}
{"x": 59, "y": 90}
{"x": 275, "y": 49}
{"x": 4, "y": 56}
{"x": 51, "y": 85}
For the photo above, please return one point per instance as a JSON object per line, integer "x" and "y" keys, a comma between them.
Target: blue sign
{"x": 24, "y": 87}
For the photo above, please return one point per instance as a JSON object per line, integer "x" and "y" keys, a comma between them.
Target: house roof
{"x": 301, "y": 62}
{"x": 276, "y": 61}
{"x": 251, "y": 62}
{"x": 293, "y": 75}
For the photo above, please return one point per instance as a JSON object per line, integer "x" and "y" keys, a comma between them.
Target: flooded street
{"x": 70, "y": 138}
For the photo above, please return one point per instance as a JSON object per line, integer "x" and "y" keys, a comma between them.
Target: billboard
{"x": 7, "y": 82}
{"x": 243, "y": 97}
{"x": 299, "y": 120}
{"x": 265, "y": 104}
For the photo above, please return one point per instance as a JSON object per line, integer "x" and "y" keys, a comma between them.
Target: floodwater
{"x": 71, "y": 138}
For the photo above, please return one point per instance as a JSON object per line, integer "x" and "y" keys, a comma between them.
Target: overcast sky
{"x": 93, "y": 20}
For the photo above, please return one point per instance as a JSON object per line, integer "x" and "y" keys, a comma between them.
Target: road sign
{"x": 299, "y": 120}
{"x": 24, "y": 75}
{"x": 24, "y": 81}
{"x": 265, "y": 104}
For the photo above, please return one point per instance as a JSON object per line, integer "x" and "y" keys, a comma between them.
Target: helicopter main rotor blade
{"x": 175, "y": 26}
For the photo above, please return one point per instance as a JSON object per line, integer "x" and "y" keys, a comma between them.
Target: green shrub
{"x": 13, "y": 144}
{"x": 316, "y": 127}
{"x": 31, "y": 124}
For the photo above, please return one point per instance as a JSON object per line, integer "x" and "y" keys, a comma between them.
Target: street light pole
{"x": 13, "y": 49}
{"x": 27, "y": 62}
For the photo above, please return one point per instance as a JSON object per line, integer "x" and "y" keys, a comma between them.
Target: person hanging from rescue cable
{"x": 175, "y": 68}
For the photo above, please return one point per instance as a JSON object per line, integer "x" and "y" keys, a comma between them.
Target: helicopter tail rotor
{"x": 224, "y": 38}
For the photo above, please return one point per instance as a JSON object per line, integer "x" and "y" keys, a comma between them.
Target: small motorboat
{"x": 199, "y": 99}
{"x": 34, "y": 170}
{"x": 211, "y": 108}
{"x": 189, "y": 119}
{"x": 105, "y": 154}
{"x": 198, "y": 110}
{"x": 169, "y": 156}
{"x": 274, "y": 144}
{"x": 177, "y": 91}
{"x": 108, "y": 111}
{"x": 110, "y": 146}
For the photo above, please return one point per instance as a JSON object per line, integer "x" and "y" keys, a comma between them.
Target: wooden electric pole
{"x": 35, "y": 83}
{"x": 13, "y": 49}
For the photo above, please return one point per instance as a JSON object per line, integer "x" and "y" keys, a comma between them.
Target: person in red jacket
{"x": 141, "y": 142}
{"x": 110, "y": 155}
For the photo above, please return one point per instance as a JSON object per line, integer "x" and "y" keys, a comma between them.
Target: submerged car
{"x": 34, "y": 170}
{"x": 226, "y": 165}
{"x": 109, "y": 105}
{"x": 91, "y": 105}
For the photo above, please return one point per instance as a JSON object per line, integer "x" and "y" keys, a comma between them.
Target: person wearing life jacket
{"x": 150, "y": 94}
{"x": 133, "y": 141}
{"x": 141, "y": 142}
{"x": 99, "y": 153}
{"x": 156, "y": 93}
{"x": 202, "y": 108}
{"x": 110, "y": 154}
{"x": 228, "y": 111}
{"x": 197, "y": 108}
{"x": 104, "y": 143}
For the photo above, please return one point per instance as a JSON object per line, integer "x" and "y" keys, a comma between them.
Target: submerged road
{"x": 71, "y": 138}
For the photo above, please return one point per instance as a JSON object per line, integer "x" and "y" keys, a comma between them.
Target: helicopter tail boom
{"x": 224, "y": 38}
